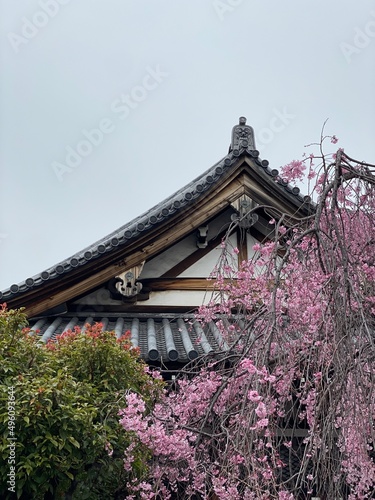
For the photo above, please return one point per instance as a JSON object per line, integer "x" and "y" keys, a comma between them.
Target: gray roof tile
{"x": 160, "y": 339}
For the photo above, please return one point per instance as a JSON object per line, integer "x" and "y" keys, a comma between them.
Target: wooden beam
{"x": 161, "y": 284}
{"x": 241, "y": 245}
{"x": 126, "y": 310}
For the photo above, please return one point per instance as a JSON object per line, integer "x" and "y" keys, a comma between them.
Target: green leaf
{"x": 74, "y": 441}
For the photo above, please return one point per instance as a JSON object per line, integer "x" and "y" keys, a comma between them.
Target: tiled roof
{"x": 160, "y": 338}
{"x": 161, "y": 212}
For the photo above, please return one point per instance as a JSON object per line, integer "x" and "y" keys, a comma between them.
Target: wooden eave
{"x": 100, "y": 271}
{"x": 242, "y": 178}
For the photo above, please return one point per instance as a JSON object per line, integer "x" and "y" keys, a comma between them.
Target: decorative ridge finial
{"x": 242, "y": 136}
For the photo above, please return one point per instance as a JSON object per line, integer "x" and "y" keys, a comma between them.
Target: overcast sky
{"x": 109, "y": 106}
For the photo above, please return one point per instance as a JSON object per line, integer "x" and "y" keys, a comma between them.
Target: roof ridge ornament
{"x": 242, "y": 136}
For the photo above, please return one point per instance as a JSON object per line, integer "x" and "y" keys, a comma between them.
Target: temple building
{"x": 151, "y": 275}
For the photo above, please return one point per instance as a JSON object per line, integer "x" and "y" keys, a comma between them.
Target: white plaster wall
{"x": 178, "y": 298}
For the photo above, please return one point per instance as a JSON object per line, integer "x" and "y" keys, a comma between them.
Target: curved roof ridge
{"x": 127, "y": 231}
{"x": 156, "y": 215}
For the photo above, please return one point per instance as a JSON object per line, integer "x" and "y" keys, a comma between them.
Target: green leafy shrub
{"x": 67, "y": 394}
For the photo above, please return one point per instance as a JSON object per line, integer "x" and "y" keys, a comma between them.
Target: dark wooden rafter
{"x": 194, "y": 257}
{"x": 130, "y": 308}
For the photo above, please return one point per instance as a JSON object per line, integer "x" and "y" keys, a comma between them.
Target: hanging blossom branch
{"x": 287, "y": 412}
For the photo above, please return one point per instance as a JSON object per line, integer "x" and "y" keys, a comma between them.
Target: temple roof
{"x": 163, "y": 339}
{"x": 109, "y": 248}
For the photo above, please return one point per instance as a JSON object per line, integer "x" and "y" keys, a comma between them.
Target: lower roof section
{"x": 163, "y": 340}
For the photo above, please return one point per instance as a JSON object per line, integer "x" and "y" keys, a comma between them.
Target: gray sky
{"x": 109, "y": 106}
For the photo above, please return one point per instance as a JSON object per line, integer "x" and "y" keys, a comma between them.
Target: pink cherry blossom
{"x": 298, "y": 380}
